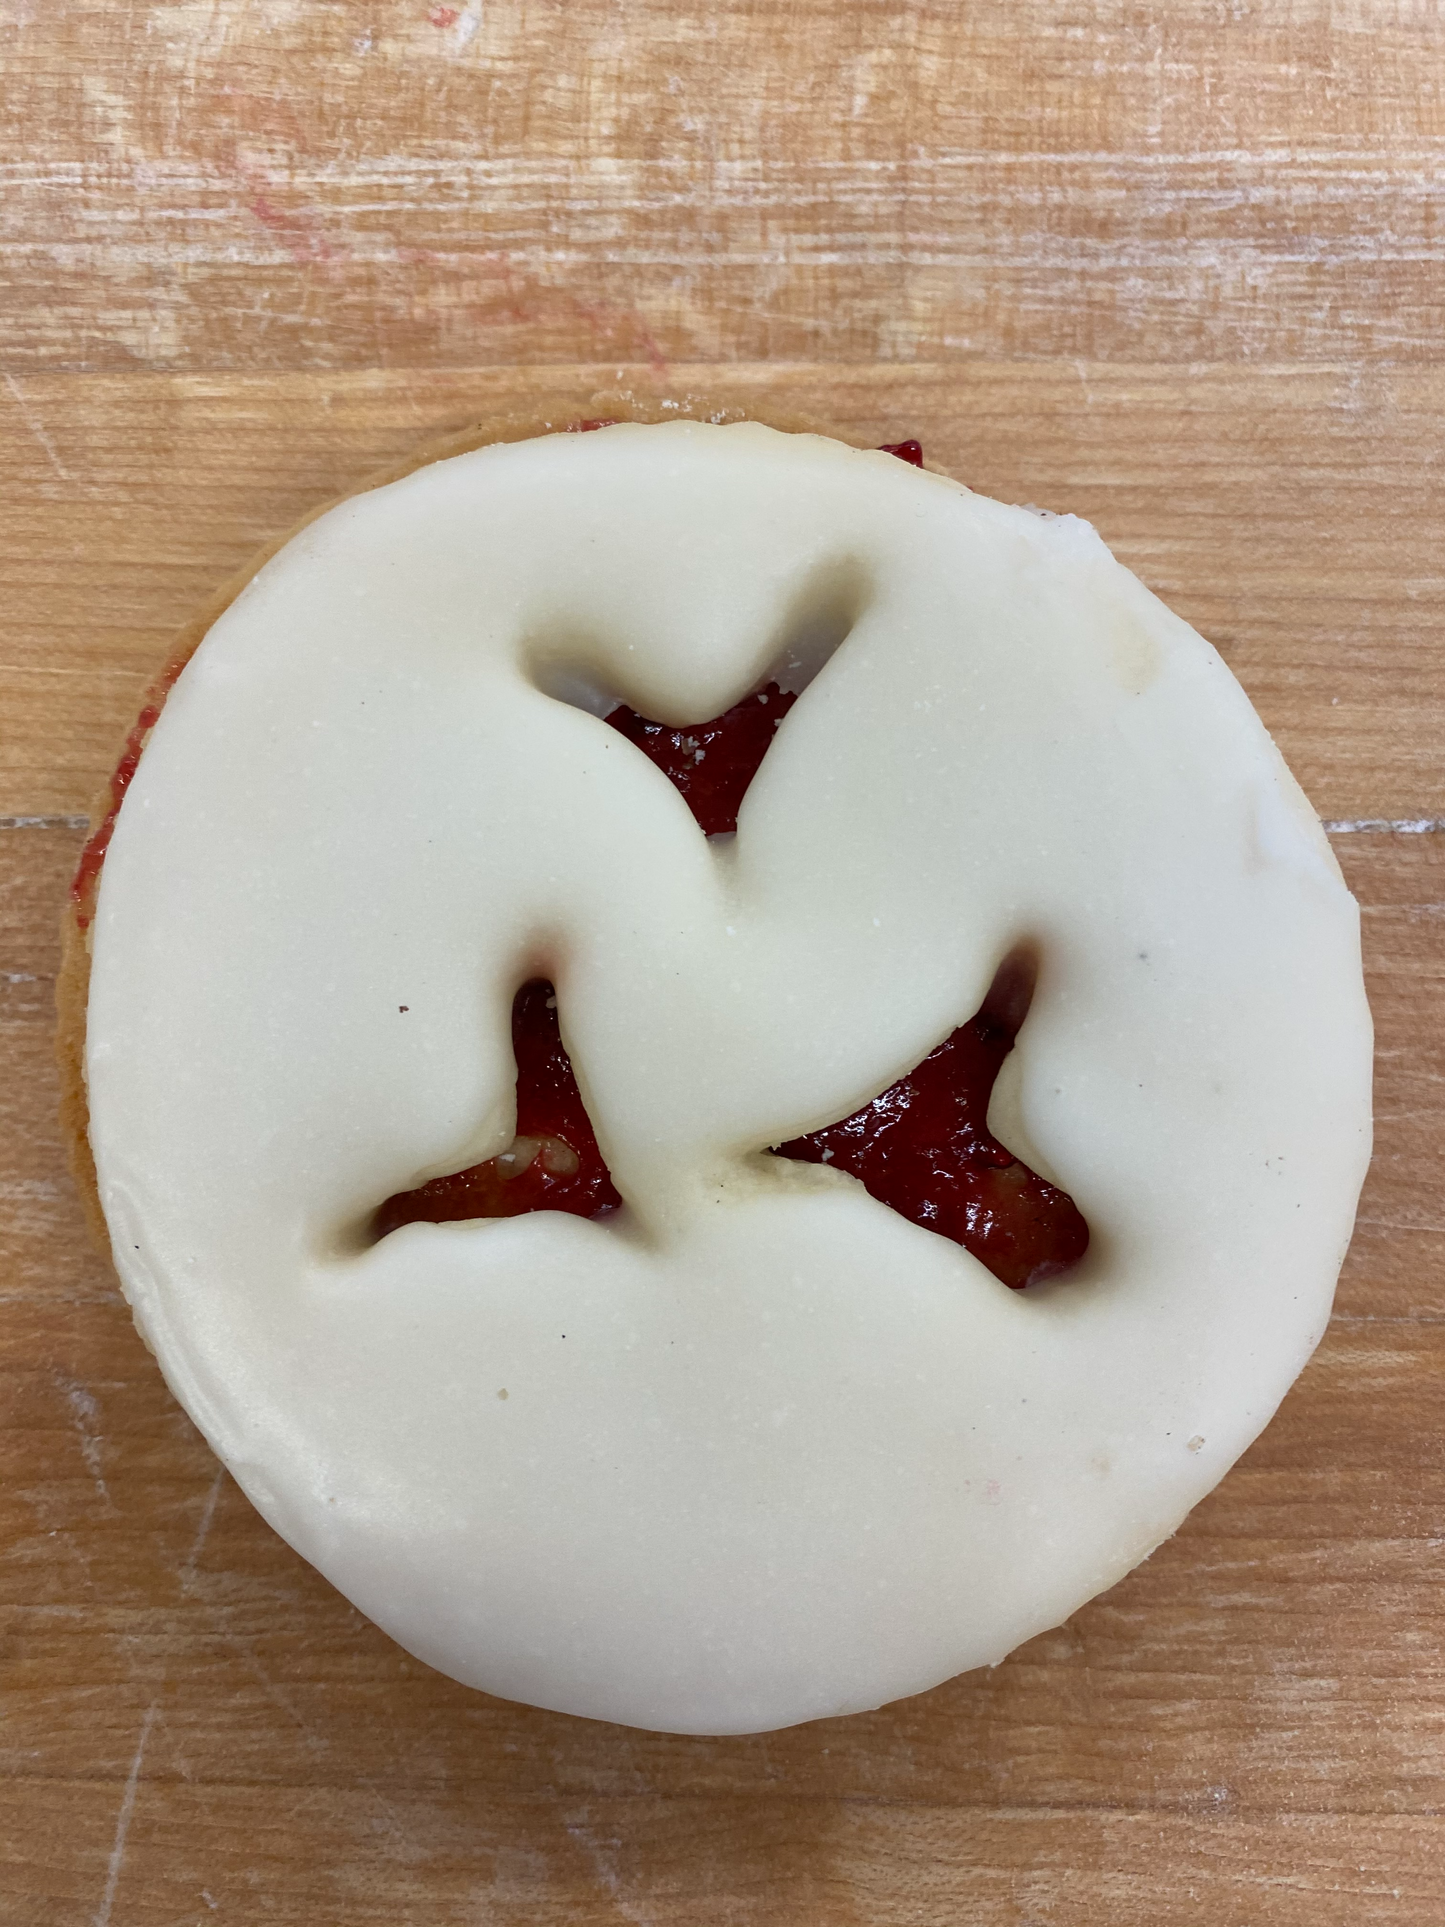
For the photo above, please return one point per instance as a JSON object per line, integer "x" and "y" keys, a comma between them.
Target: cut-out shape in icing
{"x": 711, "y": 764}
{"x": 923, "y": 1147}
{"x": 552, "y": 1164}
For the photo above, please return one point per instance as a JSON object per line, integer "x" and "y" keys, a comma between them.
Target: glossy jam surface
{"x": 711, "y": 763}
{"x": 553, "y": 1164}
{"x": 924, "y": 1148}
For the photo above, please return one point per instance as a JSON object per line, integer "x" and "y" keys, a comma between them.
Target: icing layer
{"x": 754, "y": 1449}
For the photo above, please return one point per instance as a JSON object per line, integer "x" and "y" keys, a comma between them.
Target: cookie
{"x": 757, "y": 1445}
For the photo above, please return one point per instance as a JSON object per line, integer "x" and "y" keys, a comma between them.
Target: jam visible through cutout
{"x": 553, "y": 1163}
{"x": 711, "y": 763}
{"x": 923, "y": 1147}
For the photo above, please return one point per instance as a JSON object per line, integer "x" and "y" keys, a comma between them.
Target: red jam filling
{"x": 711, "y": 763}
{"x": 552, "y": 1165}
{"x": 923, "y": 1147}
{"x": 92, "y": 857}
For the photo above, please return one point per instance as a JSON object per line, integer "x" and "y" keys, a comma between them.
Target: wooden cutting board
{"x": 1178, "y": 270}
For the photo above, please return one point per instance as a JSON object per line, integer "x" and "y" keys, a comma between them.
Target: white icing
{"x": 766, "y": 1451}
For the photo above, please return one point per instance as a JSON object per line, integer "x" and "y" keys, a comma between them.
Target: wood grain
{"x": 358, "y": 184}
{"x": 1178, "y": 270}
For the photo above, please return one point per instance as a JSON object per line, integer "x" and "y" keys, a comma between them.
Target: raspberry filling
{"x": 923, "y": 1147}
{"x": 553, "y": 1163}
{"x": 92, "y": 858}
{"x": 711, "y": 763}
{"x": 909, "y": 451}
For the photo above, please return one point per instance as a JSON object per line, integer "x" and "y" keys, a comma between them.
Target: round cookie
{"x": 755, "y": 1449}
